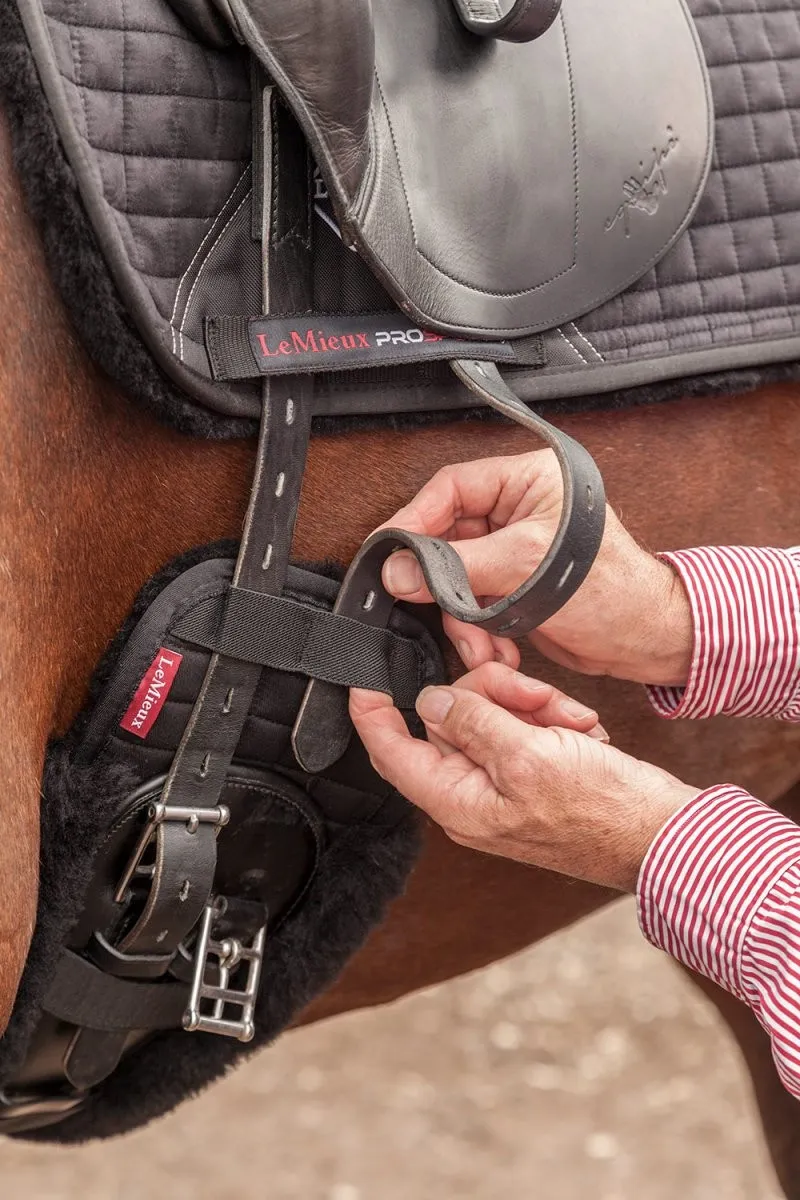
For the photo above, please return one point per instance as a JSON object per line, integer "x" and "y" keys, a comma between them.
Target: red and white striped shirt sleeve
{"x": 719, "y": 890}
{"x": 720, "y": 887}
{"x": 746, "y": 610}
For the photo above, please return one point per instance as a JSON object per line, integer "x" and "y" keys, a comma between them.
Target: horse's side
{"x": 95, "y": 497}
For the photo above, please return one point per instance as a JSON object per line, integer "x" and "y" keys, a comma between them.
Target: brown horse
{"x": 95, "y": 497}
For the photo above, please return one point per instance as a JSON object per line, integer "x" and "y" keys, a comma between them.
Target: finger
{"x": 465, "y": 528}
{"x": 476, "y": 646}
{"x": 510, "y": 689}
{"x": 441, "y": 745}
{"x": 495, "y": 564}
{"x": 531, "y": 700}
{"x": 484, "y": 732}
{"x": 463, "y": 490}
{"x": 506, "y": 652}
{"x": 385, "y": 734}
{"x": 440, "y": 784}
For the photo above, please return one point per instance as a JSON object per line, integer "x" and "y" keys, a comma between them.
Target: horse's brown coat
{"x": 95, "y": 496}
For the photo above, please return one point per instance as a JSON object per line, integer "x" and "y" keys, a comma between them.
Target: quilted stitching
{"x": 168, "y": 122}
{"x": 735, "y": 275}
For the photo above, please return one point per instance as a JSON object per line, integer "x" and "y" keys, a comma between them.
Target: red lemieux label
{"x": 151, "y": 693}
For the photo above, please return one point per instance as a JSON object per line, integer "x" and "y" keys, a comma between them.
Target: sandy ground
{"x": 586, "y": 1069}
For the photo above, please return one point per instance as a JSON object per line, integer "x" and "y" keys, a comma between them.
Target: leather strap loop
{"x": 525, "y": 21}
{"x": 322, "y": 731}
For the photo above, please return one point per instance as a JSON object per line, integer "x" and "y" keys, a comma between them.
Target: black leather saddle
{"x": 486, "y": 183}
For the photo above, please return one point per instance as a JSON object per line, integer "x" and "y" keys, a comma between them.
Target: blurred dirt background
{"x": 585, "y": 1069}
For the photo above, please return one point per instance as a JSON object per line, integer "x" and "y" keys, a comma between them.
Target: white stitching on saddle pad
{"x": 196, "y": 255}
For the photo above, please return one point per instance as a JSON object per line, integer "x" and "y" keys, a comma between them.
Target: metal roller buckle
{"x": 156, "y": 815}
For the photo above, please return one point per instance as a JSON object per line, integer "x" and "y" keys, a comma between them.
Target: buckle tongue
{"x": 230, "y": 954}
{"x": 156, "y": 815}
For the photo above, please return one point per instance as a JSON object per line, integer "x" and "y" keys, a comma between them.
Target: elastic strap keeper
{"x": 277, "y": 632}
{"x": 228, "y": 348}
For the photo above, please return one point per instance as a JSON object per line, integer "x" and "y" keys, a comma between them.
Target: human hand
{"x": 517, "y": 783}
{"x": 630, "y": 618}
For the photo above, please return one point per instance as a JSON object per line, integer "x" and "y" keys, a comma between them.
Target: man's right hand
{"x": 630, "y": 618}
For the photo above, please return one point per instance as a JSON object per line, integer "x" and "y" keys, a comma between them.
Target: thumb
{"x": 487, "y": 734}
{"x": 496, "y": 564}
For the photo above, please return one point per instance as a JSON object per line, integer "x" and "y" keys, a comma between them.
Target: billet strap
{"x": 201, "y": 764}
{"x": 322, "y": 729}
{"x": 185, "y": 850}
{"x": 525, "y": 21}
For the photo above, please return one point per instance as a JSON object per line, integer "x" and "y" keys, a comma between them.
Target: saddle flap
{"x": 497, "y": 189}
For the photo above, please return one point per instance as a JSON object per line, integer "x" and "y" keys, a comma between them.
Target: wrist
{"x": 659, "y": 806}
{"x": 661, "y": 643}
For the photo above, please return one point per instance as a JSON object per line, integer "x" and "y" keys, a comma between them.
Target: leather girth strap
{"x": 185, "y": 851}
{"x": 215, "y": 725}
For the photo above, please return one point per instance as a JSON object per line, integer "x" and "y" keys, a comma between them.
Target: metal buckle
{"x": 230, "y": 955}
{"x": 156, "y": 814}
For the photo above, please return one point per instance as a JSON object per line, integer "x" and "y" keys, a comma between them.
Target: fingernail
{"x": 599, "y": 733}
{"x": 535, "y": 686}
{"x": 465, "y": 653}
{"x": 578, "y": 712}
{"x": 433, "y": 704}
{"x": 402, "y": 575}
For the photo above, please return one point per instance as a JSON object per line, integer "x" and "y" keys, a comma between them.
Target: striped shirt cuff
{"x": 746, "y": 611}
{"x": 705, "y": 881}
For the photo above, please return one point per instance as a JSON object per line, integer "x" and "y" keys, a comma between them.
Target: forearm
{"x": 719, "y": 890}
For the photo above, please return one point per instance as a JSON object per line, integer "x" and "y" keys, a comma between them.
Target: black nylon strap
{"x": 228, "y": 348}
{"x": 275, "y": 631}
